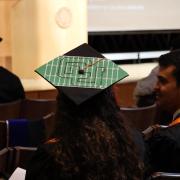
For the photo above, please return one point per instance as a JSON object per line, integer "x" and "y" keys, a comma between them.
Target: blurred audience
{"x": 11, "y": 88}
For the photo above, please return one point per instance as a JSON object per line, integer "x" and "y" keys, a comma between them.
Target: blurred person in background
{"x": 11, "y": 88}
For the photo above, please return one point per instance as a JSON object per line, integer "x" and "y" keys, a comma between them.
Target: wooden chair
{"x": 140, "y": 117}
{"x": 10, "y": 110}
{"x": 33, "y": 133}
{"x": 37, "y": 108}
{"x": 18, "y": 156}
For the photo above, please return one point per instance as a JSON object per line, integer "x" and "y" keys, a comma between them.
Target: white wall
{"x": 44, "y": 29}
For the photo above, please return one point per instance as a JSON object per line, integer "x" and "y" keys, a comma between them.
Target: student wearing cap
{"x": 91, "y": 140}
{"x": 164, "y": 145}
{"x": 11, "y": 88}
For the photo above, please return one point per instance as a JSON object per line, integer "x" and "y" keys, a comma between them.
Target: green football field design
{"x": 85, "y": 72}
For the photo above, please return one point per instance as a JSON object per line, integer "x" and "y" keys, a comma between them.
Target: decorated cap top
{"x": 80, "y": 77}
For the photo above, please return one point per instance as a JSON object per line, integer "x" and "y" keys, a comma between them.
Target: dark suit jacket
{"x": 164, "y": 148}
{"x": 11, "y": 88}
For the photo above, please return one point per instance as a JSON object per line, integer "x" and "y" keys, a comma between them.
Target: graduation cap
{"x": 81, "y": 73}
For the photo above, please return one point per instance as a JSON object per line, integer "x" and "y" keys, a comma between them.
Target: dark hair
{"x": 94, "y": 141}
{"x": 172, "y": 58}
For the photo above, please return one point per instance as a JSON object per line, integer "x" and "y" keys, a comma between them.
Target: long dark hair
{"x": 94, "y": 142}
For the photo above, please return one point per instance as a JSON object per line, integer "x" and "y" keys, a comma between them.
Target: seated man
{"x": 164, "y": 145}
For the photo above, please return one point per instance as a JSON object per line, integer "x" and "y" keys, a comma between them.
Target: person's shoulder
{"x": 41, "y": 164}
{"x": 5, "y": 71}
{"x": 42, "y": 153}
{"x": 163, "y": 149}
{"x": 6, "y": 74}
{"x": 173, "y": 132}
{"x": 47, "y": 147}
{"x": 168, "y": 137}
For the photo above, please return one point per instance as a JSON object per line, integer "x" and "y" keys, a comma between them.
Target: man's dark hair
{"x": 172, "y": 58}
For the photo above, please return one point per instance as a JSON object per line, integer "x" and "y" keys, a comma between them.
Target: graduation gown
{"x": 164, "y": 149}
{"x": 43, "y": 166}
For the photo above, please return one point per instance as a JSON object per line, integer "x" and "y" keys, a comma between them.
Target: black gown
{"x": 164, "y": 150}
{"x": 43, "y": 166}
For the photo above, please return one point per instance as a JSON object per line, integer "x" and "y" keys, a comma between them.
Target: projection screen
{"x": 133, "y": 15}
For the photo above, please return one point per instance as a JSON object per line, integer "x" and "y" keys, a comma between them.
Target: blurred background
{"x": 132, "y": 33}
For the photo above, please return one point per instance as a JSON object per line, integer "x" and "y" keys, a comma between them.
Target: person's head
{"x": 168, "y": 85}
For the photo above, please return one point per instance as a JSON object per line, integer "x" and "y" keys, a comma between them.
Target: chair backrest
{"x": 10, "y": 109}
{"x": 140, "y": 117}
{"x": 25, "y": 132}
{"x": 3, "y": 160}
{"x": 37, "y": 108}
{"x": 164, "y": 176}
{"x": 3, "y": 134}
{"x": 6, "y": 161}
{"x": 22, "y": 155}
{"x": 49, "y": 123}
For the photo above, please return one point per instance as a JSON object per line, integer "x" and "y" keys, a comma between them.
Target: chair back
{"x": 22, "y": 155}
{"x": 164, "y": 176}
{"x": 3, "y": 135}
{"x": 10, "y": 109}
{"x": 25, "y": 132}
{"x": 139, "y": 117}
{"x": 3, "y": 160}
{"x": 49, "y": 124}
{"x": 37, "y": 108}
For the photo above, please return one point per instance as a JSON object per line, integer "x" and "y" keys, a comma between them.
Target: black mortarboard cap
{"x": 81, "y": 73}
